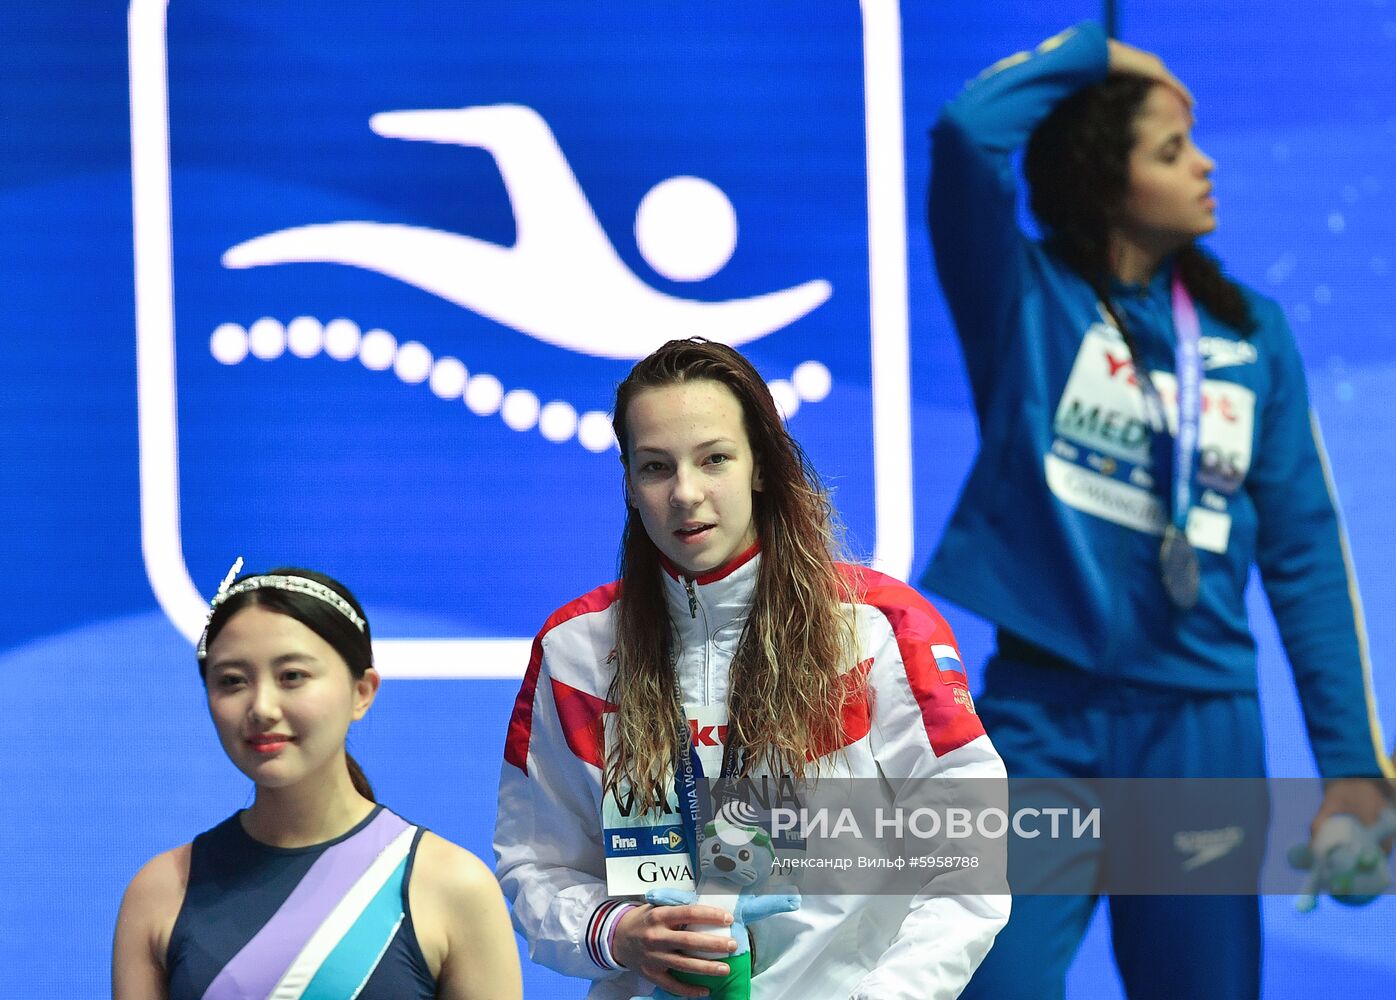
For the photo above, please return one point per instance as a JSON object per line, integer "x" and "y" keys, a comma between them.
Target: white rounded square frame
{"x": 161, "y": 542}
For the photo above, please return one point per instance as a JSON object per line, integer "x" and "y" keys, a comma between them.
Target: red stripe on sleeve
{"x": 521, "y": 721}
{"x": 855, "y": 716}
{"x": 581, "y": 715}
{"x": 946, "y": 708}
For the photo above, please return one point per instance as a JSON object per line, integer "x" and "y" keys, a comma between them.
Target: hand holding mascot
{"x": 735, "y": 861}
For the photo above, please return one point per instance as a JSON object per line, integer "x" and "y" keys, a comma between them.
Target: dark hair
{"x": 785, "y": 692}
{"x": 353, "y": 646}
{"x": 1077, "y": 168}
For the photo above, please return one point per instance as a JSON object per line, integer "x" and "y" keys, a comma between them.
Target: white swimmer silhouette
{"x": 561, "y": 282}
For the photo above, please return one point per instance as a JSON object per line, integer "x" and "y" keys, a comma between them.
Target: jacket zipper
{"x": 693, "y": 608}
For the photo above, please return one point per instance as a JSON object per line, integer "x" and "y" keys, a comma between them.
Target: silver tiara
{"x": 276, "y": 581}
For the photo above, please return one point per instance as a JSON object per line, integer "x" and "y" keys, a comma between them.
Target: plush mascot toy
{"x": 1346, "y": 860}
{"x": 735, "y": 862}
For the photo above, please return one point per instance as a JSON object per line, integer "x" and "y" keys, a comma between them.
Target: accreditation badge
{"x": 648, "y": 850}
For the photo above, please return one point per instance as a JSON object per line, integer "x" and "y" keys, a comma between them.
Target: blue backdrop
{"x": 349, "y": 286}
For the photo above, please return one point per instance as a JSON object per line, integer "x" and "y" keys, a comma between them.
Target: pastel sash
{"x": 325, "y": 940}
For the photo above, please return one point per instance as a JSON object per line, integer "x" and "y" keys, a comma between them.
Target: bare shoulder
{"x": 462, "y": 923}
{"x": 158, "y": 888}
{"x": 148, "y": 912}
{"x": 452, "y": 875}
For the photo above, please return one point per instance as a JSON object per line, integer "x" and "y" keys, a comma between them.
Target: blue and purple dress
{"x": 326, "y": 922}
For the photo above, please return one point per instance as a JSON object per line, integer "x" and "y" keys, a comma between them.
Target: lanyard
{"x": 695, "y": 809}
{"x": 1180, "y": 458}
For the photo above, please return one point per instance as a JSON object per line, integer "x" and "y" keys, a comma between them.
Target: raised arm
{"x": 979, "y": 249}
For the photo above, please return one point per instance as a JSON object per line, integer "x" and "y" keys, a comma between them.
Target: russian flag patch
{"x": 948, "y": 662}
{"x": 952, "y": 673}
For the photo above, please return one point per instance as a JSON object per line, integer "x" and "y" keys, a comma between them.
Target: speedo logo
{"x": 1219, "y": 352}
{"x": 1206, "y": 846}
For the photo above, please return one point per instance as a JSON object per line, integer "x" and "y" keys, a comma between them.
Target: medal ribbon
{"x": 695, "y": 809}
{"x": 1188, "y": 368}
{"x": 1180, "y": 459}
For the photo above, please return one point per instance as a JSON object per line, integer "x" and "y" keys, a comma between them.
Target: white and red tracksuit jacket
{"x": 914, "y": 724}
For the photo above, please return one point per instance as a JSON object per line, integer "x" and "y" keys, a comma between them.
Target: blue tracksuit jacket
{"x": 1056, "y": 534}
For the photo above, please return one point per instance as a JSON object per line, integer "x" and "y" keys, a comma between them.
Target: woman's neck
{"x": 310, "y": 812}
{"x": 1132, "y": 265}
{"x": 1134, "y": 260}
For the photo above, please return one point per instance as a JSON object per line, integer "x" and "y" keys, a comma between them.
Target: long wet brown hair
{"x": 785, "y": 692}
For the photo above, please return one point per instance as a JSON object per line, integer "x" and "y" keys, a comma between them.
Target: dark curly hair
{"x": 1077, "y": 168}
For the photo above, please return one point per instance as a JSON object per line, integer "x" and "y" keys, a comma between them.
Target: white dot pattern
{"x": 305, "y": 337}
{"x": 484, "y": 395}
{"x": 228, "y": 343}
{"x": 787, "y": 402}
{"x": 377, "y": 349}
{"x": 558, "y": 421}
{"x": 448, "y": 377}
{"x": 266, "y": 338}
{"x": 412, "y": 363}
{"x": 519, "y": 409}
{"x": 812, "y": 381}
{"x": 342, "y": 339}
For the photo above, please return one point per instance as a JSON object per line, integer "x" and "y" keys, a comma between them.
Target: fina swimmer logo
{"x": 392, "y": 265}
{"x": 686, "y": 230}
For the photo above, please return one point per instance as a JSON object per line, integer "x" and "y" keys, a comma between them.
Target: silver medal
{"x": 1179, "y": 569}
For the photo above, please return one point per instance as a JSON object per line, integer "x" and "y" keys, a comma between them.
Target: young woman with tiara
{"x": 315, "y": 890}
{"x": 1145, "y": 439}
{"x": 732, "y": 630}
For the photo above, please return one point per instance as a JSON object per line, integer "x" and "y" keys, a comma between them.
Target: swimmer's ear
{"x": 365, "y": 690}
